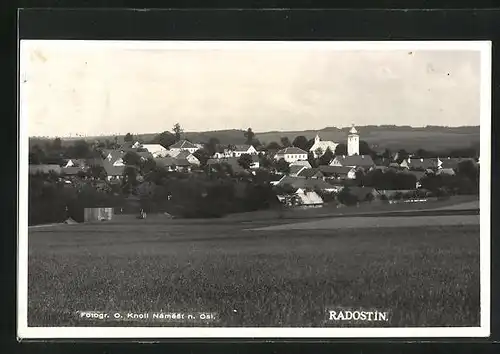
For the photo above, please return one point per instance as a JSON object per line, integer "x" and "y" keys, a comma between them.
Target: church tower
{"x": 317, "y": 139}
{"x": 353, "y": 142}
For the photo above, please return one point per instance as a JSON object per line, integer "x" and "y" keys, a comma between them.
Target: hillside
{"x": 392, "y": 137}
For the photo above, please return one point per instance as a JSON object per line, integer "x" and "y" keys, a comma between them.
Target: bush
{"x": 347, "y": 198}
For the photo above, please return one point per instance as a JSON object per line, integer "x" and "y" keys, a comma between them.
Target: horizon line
{"x": 77, "y": 135}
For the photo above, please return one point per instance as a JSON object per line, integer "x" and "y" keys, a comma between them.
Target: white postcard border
{"x": 25, "y": 332}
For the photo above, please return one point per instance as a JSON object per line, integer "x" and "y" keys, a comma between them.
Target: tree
{"x": 312, "y": 160}
{"x": 245, "y": 161}
{"x": 80, "y": 149}
{"x": 148, "y": 166}
{"x": 285, "y": 142}
{"x": 128, "y": 137}
{"x": 212, "y": 145}
{"x": 346, "y": 197}
{"x": 360, "y": 176}
{"x": 56, "y": 144}
{"x": 469, "y": 170}
{"x": 365, "y": 149}
{"x": 387, "y": 154}
{"x": 318, "y": 152}
{"x": 165, "y": 139}
{"x": 129, "y": 179}
{"x": 282, "y": 166}
{"x": 327, "y": 157}
{"x": 265, "y": 161}
{"x": 341, "y": 149}
{"x": 97, "y": 172}
{"x": 401, "y": 155}
{"x": 131, "y": 158}
{"x": 273, "y": 146}
{"x": 249, "y": 136}
{"x": 301, "y": 142}
{"x": 203, "y": 155}
{"x": 177, "y": 131}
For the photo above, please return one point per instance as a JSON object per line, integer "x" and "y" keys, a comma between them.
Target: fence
{"x": 97, "y": 214}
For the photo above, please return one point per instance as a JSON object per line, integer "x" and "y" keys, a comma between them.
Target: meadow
{"x": 423, "y": 276}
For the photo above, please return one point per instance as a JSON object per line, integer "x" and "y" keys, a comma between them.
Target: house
{"x": 255, "y": 162}
{"x": 420, "y": 163}
{"x": 308, "y": 198}
{"x": 236, "y": 151}
{"x": 295, "y": 170}
{"x": 307, "y": 183}
{"x": 338, "y": 172}
{"x": 453, "y": 162}
{"x": 156, "y": 150}
{"x": 145, "y": 155}
{"x": 74, "y": 163}
{"x": 304, "y": 163}
{"x": 113, "y": 171}
{"x": 320, "y": 146}
{"x": 231, "y": 161}
{"x": 183, "y": 145}
{"x": 445, "y": 171}
{"x": 187, "y": 156}
{"x": 183, "y": 164}
{"x": 71, "y": 171}
{"x": 291, "y": 154}
{"x": 382, "y": 162}
{"x": 115, "y": 157}
{"x": 44, "y": 169}
{"x": 310, "y": 173}
{"x": 356, "y": 161}
{"x": 301, "y": 197}
{"x": 169, "y": 163}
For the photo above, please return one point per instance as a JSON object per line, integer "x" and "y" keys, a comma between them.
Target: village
{"x": 137, "y": 175}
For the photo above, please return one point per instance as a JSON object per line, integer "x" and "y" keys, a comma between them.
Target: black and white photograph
{"x": 254, "y": 189}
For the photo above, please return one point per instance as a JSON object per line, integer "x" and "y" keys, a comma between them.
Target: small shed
{"x": 97, "y": 214}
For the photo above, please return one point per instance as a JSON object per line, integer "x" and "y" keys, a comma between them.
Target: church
{"x": 353, "y": 158}
{"x": 320, "y": 146}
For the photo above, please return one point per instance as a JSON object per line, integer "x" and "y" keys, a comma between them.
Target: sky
{"x": 99, "y": 90}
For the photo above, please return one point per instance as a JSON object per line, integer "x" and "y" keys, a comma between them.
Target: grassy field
{"x": 424, "y": 276}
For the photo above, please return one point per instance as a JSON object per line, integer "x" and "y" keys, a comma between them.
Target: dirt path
{"x": 371, "y": 222}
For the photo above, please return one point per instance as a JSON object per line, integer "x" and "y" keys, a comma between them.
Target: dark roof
{"x": 382, "y": 161}
{"x": 418, "y": 174}
{"x": 452, "y": 162}
{"x": 355, "y": 160}
{"x": 298, "y": 182}
{"x": 145, "y": 154}
{"x": 422, "y": 163}
{"x": 334, "y": 170}
{"x": 166, "y": 161}
{"x": 310, "y": 172}
{"x": 115, "y": 155}
{"x": 291, "y": 150}
{"x": 242, "y": 147}
{"x": 295, "y": 169}
{"x": 183, "y": 144}
{"x": 34, "y": 169}
{"x": 182, "y": 162}
{"x": 71, "y": 171}
{"x": 183, "y": 154}
{"x": 94, "y": 162}
{"x": 232, "y": 161}
{"x": 113, "y": 170}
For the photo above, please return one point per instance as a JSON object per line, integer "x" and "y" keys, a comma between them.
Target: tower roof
{"x": 353, "y": 130}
